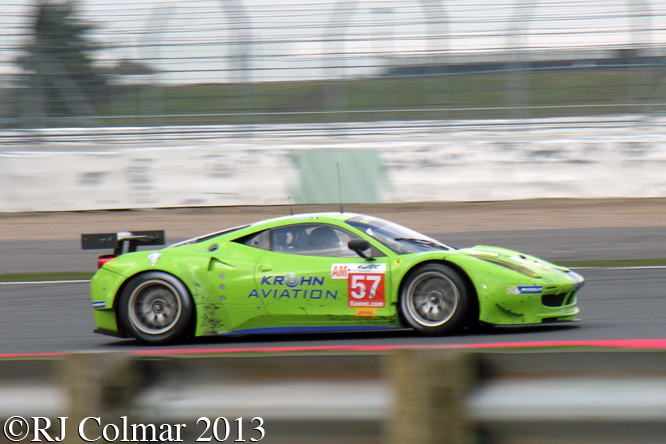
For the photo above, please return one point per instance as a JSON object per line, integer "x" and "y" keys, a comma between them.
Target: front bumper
{"x": 555, "y": 302}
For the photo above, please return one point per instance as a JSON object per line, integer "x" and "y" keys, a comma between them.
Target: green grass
{"x": 548, "y": 94}
{"x": 469, "y": 96}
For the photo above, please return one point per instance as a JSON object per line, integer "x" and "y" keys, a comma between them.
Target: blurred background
{"x": 117, "y": 62}
{"x": 117, "y": 104}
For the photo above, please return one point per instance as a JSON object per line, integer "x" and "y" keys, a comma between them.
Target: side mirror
{"x": 359, "y": 246}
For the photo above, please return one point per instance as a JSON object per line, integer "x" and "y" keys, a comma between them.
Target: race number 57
{"x": 366, "y": 290}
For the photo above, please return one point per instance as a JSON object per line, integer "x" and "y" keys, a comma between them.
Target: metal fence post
{"x": 98, "y": 385}
{"x": 430, "y": 387}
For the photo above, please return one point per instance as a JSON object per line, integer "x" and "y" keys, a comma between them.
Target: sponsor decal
{"x": 154, "y": 257}
{"x": 339, "y": 271}
{"x": 366, "y": 290}
{"x": 292, "y": 287}
{"x": 99, "y": 304}
{"x": 366, "y": 312}
{"x": 291, "y": 280}
{"x": 365, "y": 283}
{"x": 524, "y": 289}
{"x": 342, "y": 271}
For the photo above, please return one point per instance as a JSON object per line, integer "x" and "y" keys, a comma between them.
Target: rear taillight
{"x": 104, "y": 259}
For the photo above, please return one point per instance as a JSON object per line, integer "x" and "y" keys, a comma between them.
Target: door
{"x": 310, "y": 275}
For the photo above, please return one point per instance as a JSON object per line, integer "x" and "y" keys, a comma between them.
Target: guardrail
{"x": 403, "y": 396}
{"x": 128, "y": 137}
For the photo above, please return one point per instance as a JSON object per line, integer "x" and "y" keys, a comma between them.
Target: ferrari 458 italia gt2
{"x": 318, "y": 272}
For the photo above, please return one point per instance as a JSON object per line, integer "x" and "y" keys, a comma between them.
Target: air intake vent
{"x": 554, "y": 300}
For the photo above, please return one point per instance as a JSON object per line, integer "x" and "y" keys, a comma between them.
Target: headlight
{"x": 515, "y": 267}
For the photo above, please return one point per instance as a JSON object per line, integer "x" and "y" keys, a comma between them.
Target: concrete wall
{"x": 388, "y": 161}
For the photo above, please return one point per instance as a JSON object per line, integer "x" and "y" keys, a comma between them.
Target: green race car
{"x": 318, "y": 272}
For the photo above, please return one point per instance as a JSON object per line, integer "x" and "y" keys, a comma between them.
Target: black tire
{"x": 155, "y": 308}
{"x": 434, "y": 300}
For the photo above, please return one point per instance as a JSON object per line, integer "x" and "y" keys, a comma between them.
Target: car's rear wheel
{"x": 434, "y": 300}
{"x": 155, "y": 308}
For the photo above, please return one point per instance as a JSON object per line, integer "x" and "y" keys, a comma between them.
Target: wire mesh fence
{"x": 95, "y": 63}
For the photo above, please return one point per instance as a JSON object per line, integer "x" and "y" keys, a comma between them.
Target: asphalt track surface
{"x": 615, "y": 304}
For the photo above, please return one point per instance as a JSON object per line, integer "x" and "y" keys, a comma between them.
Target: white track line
{"x": 80, "y": 281}
{"x": 637, "y": 267}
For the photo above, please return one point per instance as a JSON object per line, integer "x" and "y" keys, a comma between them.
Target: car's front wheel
{"x": 434, "y": 300}
{"x": 155, "y": 308}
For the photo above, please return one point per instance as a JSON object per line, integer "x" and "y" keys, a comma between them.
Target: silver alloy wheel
{"x": 432, "y": 299}
{"x": 154, "y": 307}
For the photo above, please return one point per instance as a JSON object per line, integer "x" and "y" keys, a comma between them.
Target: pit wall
{"x": 118, "y": 168}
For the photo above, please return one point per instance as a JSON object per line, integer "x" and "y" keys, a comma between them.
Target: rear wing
{"x": 134, "y": 239}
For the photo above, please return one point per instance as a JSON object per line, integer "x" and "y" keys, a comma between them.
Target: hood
{"x": 522, "y": 263}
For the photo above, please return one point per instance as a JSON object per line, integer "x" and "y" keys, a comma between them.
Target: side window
{"x": 260, "y": 240}
{"x": 312, "y": 240}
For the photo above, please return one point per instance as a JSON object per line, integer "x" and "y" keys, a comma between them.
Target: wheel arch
{"x": 474, "y": 309}
{"x": 121, "y": 289}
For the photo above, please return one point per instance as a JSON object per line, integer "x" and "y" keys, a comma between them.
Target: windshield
{"x": 399, "y": 239}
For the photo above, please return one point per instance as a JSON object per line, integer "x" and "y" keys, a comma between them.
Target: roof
{"x": 300, "y": 218}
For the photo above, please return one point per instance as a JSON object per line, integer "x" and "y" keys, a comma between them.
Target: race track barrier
{"x": 70, "y": 169}
{"x": 448, "y": 396}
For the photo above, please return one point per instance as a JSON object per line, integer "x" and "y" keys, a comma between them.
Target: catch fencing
{"x": 399, "y": 396}
{"x": 177, "y": 62}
